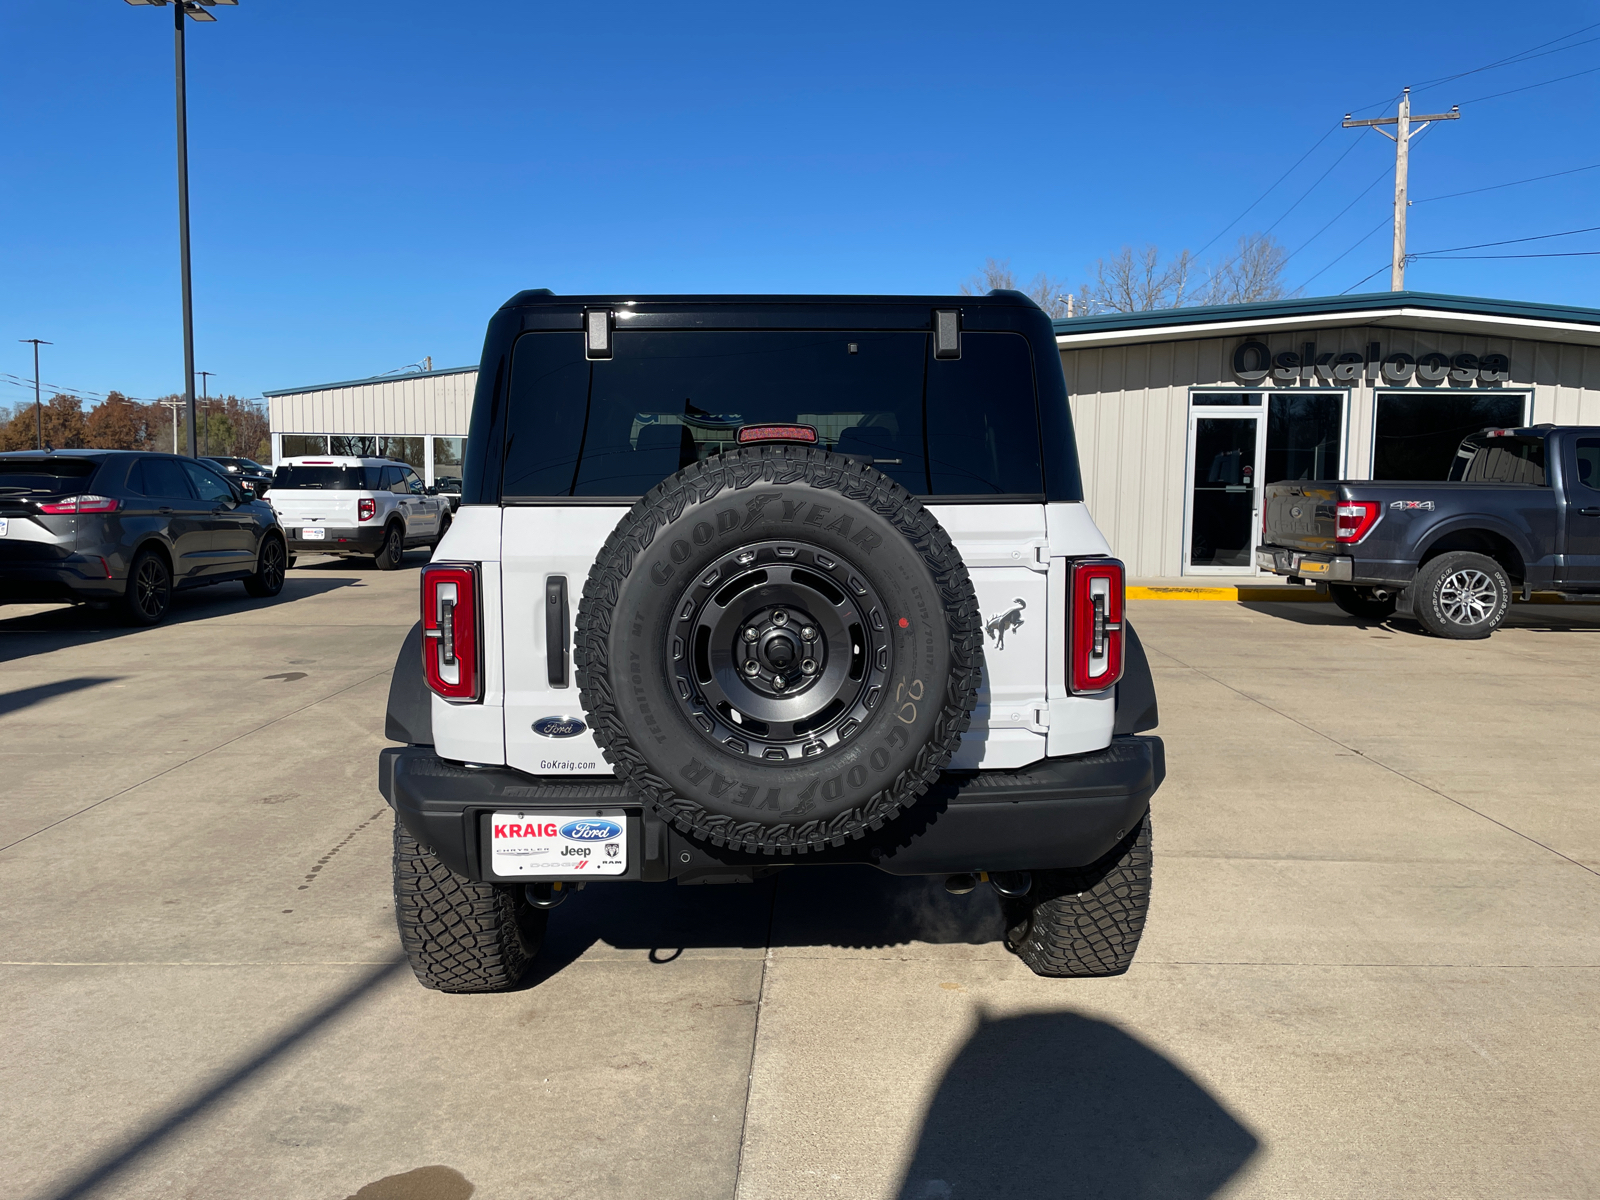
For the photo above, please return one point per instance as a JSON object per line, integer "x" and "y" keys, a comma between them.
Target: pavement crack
{"x": 755, "y": 1039}
{"x": 193, "y": 758}
{"x": 1378, "y": 762}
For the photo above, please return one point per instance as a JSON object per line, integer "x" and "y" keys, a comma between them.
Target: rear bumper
{"x": 1331, "y": 568}
{"x": 1060, "y": 812}
{"x": 77, "y": 577}
{"x": 338, "y": 539}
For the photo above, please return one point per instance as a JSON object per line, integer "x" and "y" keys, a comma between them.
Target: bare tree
{"x": 1044, "y": 291}
{"x": 1254, "y": 272}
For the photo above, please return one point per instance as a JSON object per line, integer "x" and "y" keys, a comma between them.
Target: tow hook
{"x": 550, "y": 895}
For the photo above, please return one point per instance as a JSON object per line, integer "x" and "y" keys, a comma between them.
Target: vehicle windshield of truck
{"x": 329, "y": 478}
{"x": 1491, "y": 458}
{"x": 45, "y": 476}
{"x": 618, "y": 427}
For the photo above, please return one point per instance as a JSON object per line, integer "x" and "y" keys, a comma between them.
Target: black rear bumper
{"x": 1060, "y": 812}
{"x": 76, "y": 577}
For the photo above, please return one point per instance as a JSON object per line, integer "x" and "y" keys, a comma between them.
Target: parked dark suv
{"x": 246, "y": 472}
{"x": 128, "y": 528}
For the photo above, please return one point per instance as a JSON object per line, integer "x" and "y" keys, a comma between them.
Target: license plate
{"x": 1313, "y": 568}
{"x": 4, "y": 525}
{"x": 535, "y": 843}
{"x": 313, "y": 534}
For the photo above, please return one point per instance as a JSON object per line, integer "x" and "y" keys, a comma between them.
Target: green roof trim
{"x": 1332, "y": 306}
{"x": 328, "y": 387}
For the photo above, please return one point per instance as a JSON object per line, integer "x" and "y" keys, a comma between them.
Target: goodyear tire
{"x": 1461, "y": 595}
{"x": 778, "y": 649}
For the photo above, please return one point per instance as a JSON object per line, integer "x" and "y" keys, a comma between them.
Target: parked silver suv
{"x": 348, "y": 506}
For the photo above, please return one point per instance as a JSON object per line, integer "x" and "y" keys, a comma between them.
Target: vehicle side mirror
{"x": 432, "y": 490}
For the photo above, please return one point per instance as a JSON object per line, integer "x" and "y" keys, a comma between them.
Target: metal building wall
{"x": 437, "y": 404}
{"x": 1130, "y": 408}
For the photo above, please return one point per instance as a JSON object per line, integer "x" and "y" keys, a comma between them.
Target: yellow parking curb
{"x": 1255, "y": 594}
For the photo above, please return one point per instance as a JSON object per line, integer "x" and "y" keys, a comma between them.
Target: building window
{"x": 403, "y": 449}
{"x": 353, "y": 445}
{"x": 448, "y": 453}
{"x": 1415, "y": 436}
{"x": 1303, "y": 436}
{"x": 303, "y": 445}
{"x": 1232, "y": 396}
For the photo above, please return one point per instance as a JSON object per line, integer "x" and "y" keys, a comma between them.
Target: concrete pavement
{"x": 1371, "y": 967}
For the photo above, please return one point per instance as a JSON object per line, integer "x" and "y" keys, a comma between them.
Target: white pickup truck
{"x": 742, "y": 584}
{"x": 356, "y": 506}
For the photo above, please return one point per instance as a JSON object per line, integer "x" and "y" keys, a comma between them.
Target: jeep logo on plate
{"x": 591, "y": 831}
{"x": 558, "y": 727}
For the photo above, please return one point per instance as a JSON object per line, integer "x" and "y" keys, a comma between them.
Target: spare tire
{"x": 778, "y": 649}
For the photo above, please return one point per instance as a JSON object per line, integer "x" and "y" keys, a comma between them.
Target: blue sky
{"x": 370, "y": 181}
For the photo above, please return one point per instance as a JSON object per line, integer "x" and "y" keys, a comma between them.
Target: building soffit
{"x": 1472, "y": 324}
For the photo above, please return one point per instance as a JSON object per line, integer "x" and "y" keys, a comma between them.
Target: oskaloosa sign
{"x": 1253, "y": 361}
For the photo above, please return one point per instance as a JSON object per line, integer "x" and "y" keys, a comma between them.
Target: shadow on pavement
{"x": 1058, "y": 1104}
{"x": 857, "y": 907}
{"x": 64, "y": 625}
{"x": 11, "y": 702}
{"x": 1543, "y": 618}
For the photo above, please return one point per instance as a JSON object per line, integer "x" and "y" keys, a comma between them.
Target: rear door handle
{"x": 556, "y": 628}
{"x": 165, "y": 512}
{"x": 1589, "y": 512}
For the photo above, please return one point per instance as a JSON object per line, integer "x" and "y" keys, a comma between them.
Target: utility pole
{"x": 205, "y": 391}
{"x": 38, "y": 409}
{"x": 1401, "y": 138}
{"x": 174, "y": 407}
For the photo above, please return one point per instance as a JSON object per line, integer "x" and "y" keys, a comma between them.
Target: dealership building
{"x": 1182, "y": 415}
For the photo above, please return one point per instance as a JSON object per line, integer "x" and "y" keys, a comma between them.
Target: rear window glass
{"x": 56, "y": 476}
{"x": 330, "y": 479}
{"x": 667, "y": 399}
{"x": 1499, "y": 460}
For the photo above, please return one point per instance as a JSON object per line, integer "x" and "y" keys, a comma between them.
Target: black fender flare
{"x": 1136, "y": 692}
{"x": 410, "y": 715}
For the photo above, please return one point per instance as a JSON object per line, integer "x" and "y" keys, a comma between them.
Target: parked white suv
{"x": 739, "y": 584}
{"x": 365, "y": 506}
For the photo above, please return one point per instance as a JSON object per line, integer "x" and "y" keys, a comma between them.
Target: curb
{"x": 1278, "y": 595}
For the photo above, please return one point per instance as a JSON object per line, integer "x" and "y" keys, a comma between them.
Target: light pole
{"x": 38, "y": 409}
{"x": 205, "y": 403}
{"x": 196, "y": 10}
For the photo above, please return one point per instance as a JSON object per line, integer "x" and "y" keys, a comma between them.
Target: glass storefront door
{"x": 1224, "y": 489}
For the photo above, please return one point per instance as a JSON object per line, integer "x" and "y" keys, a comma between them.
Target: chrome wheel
{"x": 1468, "y": 597}
{"x": 779, "y": 651}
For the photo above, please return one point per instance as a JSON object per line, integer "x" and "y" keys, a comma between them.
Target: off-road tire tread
{"x": 733, "y": 471}
{"x": 460, "y": 936}
{"x": 1085, "y": 922}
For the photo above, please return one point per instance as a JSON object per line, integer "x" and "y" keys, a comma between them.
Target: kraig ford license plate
{"x": 532, "y": 843}
{"x": 312, "y": 534}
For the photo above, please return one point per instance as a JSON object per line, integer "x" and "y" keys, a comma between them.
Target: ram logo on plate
{"x": 559, "y": 727}
{"x": 591, "y": 831}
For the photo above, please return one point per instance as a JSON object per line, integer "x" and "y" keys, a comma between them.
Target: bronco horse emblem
{"x": 1010, "y": 619}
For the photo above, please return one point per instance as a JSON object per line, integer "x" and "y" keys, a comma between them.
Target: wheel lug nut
{"x": 750, "y": 633}
{"x": 809, "y": 666}
{"x": 808, "y": 633}
{"x": 780, "y": 617}
{"x": 778, "y": 684}
{"x": 752, "y": 667}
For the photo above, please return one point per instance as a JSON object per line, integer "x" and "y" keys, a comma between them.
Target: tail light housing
{"x": 82, "y": 505}
{"x": 1095, "y": 639}
{"x": 1354, "y": 520}
{"x": 452, "y": 642}
{"x": 366, "y": 508}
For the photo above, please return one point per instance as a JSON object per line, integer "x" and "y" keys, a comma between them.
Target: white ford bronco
{"x": 741, "y": 584}
{"x": 356, "y": 506}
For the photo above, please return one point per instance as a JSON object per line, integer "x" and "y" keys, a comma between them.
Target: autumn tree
{"x": 118, "y": 423}
{"x": 62, "y": 417}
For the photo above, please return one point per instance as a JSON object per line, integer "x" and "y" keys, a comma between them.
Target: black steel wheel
{"x": 393, "y": 551}
{"x": 1360, "y": 603}
{"x": 271, "y": 563}
{"x": 149, "y": 593}
{"x": 778, "y": 649}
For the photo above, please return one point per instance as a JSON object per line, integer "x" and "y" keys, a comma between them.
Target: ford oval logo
{"x": 591, "y": 831}
{"x": 559, "y": 727}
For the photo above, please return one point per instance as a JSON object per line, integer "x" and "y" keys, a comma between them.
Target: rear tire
{"x": 149, "y": 594}
{"x": 1461, "y": 596}
{"x": 444, "y": 528}
{"x": 460, "y": 936}
{"x": 1085, "y": 922}
{"x": 393, "y": 551}
{"x": 1360, "y": 603}
{"x": 271, "y": 563}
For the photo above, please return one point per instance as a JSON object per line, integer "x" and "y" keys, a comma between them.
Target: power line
{"x": 1367, "y": 236}
{"x": 1359, "y": 282}
{"x": 1538, "y": 237}
{"x": 1312, "y": 188}
{"x": 1497, "y": 186}
{"x": 1375, "y": 182}
{"x": 1266, "y": 193}
{"x": 1563, "y": 254}
{"x": 1519, "y": 58}
{"x": 1530, "y": 87}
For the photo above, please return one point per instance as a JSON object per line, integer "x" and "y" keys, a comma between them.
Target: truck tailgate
{"x": 1301, "y": 516}
{"x": 311, "y": 506}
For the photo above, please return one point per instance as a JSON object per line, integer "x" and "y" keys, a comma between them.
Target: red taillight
{"x": 1355, "y": 520}
{"x": 82, "y": 504}
{"x": 366, "y": 509}
{"x": 450, "y": 641}
{"x": 1095, "y": 643}
{"x": 776, "y": 433}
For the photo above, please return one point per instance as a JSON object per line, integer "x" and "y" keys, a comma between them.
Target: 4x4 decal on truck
{"x": 1426, "y": 505}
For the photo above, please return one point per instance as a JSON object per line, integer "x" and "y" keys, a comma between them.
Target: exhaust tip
{"x": 960, "y": 885}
